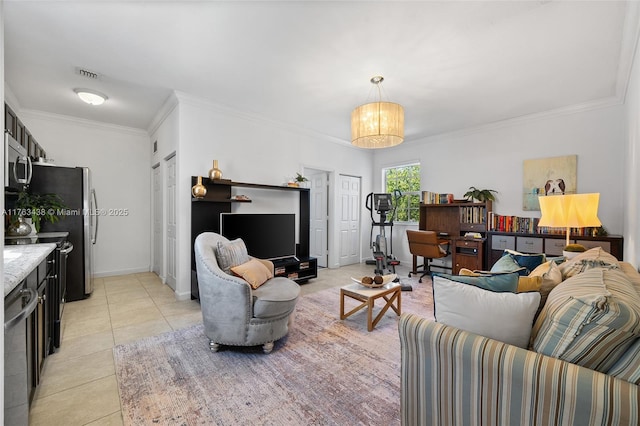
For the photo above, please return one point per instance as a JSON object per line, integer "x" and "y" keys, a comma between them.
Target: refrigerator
{"x": 80, "y": 219}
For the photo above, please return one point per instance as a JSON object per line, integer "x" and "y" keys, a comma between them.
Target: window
{"x": 406, "y": 179}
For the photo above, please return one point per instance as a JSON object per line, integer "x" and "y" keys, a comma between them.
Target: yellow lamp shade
{"x": 569, "y": 211}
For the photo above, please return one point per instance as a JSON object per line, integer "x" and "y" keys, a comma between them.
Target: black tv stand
{"x": 298, "y": 269}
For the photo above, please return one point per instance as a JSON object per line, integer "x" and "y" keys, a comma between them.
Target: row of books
{"x": 529, "y": 225}
{"x": 501, "y": 223}
{"x": 429, "y": 197}
{"x": 472, "y": 214}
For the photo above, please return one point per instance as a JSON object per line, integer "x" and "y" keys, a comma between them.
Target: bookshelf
{"x": 452, "y": 221}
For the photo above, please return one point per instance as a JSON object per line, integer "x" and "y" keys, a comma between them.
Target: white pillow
{"x": 507, "y": 317}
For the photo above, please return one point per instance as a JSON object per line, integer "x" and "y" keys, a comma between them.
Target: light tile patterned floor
{"x": 79, "y": 384}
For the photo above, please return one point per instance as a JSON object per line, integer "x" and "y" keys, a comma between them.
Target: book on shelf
{"x": 429, "y": 197}
{"x": 472, "y": 214}
{"x": 503, "y": 223}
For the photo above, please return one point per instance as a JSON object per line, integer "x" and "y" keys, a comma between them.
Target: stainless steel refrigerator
{"x": 80, "y": 219}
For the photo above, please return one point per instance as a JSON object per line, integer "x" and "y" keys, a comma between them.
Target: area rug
{"x": 327, "y": 371}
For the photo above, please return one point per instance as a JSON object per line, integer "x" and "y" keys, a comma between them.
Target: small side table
{"x": 390, "y": 293}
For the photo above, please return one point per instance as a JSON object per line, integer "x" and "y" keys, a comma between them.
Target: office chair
{"x": 427, "y": 245}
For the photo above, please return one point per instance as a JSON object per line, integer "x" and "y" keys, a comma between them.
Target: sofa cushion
{"x": 592, "y": 258}
{"x": 526, "y": 260}
{"x": 276, "y": 297}
{"x": 230, "y": 254}
{"x": 507, "y": 282}
{"x": 508, "y": 264}
{"x": 628, "y": 366}
{"x": 589, "y": 319}
{"x": 504, "y": 316}
{"x": 254, "y": 272}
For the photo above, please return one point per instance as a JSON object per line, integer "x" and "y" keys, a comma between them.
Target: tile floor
{"x": 79, "y": 383}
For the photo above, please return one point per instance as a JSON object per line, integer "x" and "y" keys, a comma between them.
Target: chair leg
{"x": 213, "y": 346}
{"x": 267, "y": 347}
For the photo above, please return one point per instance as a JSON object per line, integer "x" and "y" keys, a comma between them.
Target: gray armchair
{"x": 235, "y": 314}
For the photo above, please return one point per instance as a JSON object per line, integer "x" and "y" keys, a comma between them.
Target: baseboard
{"x": 120, "y": 272}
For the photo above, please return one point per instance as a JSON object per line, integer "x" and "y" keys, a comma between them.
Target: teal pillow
{"x": 499, "y": 283}
{"x": 529, "y": 261}
{"x": 508, "y": 264}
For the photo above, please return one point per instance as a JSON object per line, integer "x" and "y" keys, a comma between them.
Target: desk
{"x": 467, "y": 253}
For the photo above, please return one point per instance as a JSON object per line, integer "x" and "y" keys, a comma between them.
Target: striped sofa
{"x": 453, "y": 377}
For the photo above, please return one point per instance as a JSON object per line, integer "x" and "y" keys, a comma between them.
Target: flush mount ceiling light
{"x": 377, "y": 124}
{"x": 91, "y": 96}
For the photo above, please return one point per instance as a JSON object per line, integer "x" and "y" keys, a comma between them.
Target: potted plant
{"x": 39, "y": 207}
{"x": 299, "y": 181}
{"x": 572, "y": 250}
{"x": 481, "y": 195}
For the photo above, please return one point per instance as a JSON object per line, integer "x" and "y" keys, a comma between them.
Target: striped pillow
{"x": 590, "y": 319}
{"x": 628, "y": 366}
{"x": 230, "y": 254}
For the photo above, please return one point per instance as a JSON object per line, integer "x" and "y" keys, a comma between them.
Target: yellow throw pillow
{"x": 468, "y": 273}
{"x": 254, "y": 272}
{"x": 526, "y": 284}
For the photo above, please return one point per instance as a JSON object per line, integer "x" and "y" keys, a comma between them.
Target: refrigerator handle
{"x": 94, "y": 237}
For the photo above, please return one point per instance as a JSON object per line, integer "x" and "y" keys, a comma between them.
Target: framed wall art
{"x": 548, "y": 176}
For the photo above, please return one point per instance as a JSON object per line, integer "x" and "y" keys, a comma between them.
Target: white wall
{"x": 118, "y": 158}
{"x": 257, "y": 151}
{"x": 632, "y": 166}
{"x": 492, "y": 157}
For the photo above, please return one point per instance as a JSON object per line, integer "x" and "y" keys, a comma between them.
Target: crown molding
{"x": 49, "y": 116}
{"x": 524, "y": 119}
{"x": 165, "y": 110}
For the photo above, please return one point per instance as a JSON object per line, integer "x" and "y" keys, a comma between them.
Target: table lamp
{"x": 569, "y": 211}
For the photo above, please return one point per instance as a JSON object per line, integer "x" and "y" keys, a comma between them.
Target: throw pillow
{"x": 528, "y": 261}
{"x": 508, "y": 264}
{"x": 576, "y": 265}
{"x": 574, "y": 268}
{"x": 590, "y": 319}
{"x": 526, "y": 284}
{"x": 230, "y": 254}
{"x": 468, "y": 273}
{"x": 506, "y": 317}
{"x": 551, "y": 277}
{"x": 254, "y": 272}
{"x": 507, "y": 282}
{"x": 628, "y": 366}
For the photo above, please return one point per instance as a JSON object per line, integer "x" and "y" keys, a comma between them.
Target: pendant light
{"x": 377, "y": 124}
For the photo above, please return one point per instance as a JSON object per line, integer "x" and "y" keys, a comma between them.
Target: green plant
{"x": 575, "y": 248}
{"x": 481, "y": 195}
{"x": 39, "y": 207}
{"x": 300, "y": 178}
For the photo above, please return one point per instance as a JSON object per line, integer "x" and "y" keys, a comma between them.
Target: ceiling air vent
{"x": 86, "y": 73}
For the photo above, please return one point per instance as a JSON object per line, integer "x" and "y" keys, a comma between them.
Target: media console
{"x": 205, "y": 217}
{"x": 299, "y": 269}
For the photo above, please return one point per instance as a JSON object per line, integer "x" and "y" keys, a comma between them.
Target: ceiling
{"x": 452, "y": 65}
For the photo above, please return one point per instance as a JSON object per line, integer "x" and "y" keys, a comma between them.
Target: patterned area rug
{"x": 325, "y": 372}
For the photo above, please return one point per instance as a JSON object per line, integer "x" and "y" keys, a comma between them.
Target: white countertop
{"x": 20, "y": 260}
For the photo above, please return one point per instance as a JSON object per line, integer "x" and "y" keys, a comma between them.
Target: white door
{"x": 318, "y": 245}
{"x": 349, "y": 220}
{"x": 171, "y": 222}
{"x": 157, "y": 221}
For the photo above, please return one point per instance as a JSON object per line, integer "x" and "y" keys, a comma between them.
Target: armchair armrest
{"x": 450, "y": 376}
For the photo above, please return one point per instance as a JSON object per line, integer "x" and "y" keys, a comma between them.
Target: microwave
{"x": 17, "y": 165}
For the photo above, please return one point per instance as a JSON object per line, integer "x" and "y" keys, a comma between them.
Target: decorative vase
{"x": 20, "y": 228}
{"x": 199, "y": 190}
{"x": 215, "y": 172}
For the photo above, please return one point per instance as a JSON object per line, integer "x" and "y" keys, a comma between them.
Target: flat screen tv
{"x": 267, "y": 236}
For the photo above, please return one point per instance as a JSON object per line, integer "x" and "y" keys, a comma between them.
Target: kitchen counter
{"x": 20, "y": 260}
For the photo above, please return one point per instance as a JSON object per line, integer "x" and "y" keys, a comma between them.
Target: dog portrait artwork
{"x": 543, "y": 177}
{"x": 554, "y": 186}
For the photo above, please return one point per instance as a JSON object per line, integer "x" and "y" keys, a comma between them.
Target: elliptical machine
{"x": 385, "y": 206}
